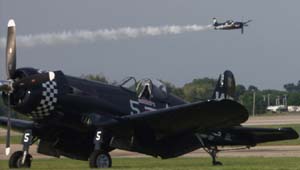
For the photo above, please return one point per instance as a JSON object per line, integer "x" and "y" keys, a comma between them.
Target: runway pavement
{"x": 273, "y": 120}
{"x": 260, "y": 151}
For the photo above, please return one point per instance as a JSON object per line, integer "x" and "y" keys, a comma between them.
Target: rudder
{"x": 225, "y": 88}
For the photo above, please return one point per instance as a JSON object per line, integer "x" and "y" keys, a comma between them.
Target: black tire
{"x": 100, "y": 159}
{"x": 15, "y": 160}
{"x": 217, "y": 163}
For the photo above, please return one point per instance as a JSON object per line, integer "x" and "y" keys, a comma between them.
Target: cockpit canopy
{"x": 229, "y": 21}
{"x": 146, "y": 88}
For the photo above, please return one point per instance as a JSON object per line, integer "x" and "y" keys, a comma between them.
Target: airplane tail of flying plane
{"x": 225, "y": 88}
{"x": 244, "y": 24}
{"x": 215, "y": 22}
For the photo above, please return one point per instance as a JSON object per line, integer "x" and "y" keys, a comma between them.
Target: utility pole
{"x": 268, "y": 99}
{"x": 253, "y": 107}
{"x": 285, "y": 101}
{"x": 278, "y": 101}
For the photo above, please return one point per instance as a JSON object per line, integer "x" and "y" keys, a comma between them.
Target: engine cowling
{"x": 35, "y": 93}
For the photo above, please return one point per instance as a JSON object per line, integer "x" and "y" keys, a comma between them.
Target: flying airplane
{"x": 86, "y": 120}
{"x": 230, "y": 25}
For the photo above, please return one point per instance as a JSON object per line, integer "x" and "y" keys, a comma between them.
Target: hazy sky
{"x": 267, "y": 55}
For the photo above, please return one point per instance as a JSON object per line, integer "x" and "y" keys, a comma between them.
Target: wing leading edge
{"x": 17, "y": 124}
{"x": 200, "y": 116}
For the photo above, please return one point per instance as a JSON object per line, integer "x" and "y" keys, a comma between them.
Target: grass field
{"x": 13, "y": 139}
{"x": 245, "y": 163}
{"x": 250, "y": 163}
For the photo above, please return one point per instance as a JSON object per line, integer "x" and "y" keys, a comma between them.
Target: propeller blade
{"x": 10, "y": 70}
{"x": 7, "y": 148}
{"x": 11, "y": 49}
{"x": 242, "y": 30}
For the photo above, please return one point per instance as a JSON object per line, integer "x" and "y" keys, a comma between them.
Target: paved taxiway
{"x": 263, "y": 151}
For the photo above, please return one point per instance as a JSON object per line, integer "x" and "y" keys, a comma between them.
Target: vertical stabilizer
{"x": 225, "y": 88}
{"x": 215, "y": 22}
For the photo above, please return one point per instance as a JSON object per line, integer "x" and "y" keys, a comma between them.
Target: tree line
{"x": 202, "y": 89}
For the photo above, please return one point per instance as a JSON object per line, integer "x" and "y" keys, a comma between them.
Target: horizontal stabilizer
{"x": 260, "y": 135}
{"x": 248, "y": 136}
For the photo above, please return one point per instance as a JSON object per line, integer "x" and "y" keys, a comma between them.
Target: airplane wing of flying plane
{"x": 85, "y": 120}
{"x": 230, "y": 25}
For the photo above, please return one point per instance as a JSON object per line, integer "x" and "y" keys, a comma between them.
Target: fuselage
{"x": 67, "y": 112}
{"x": 76, "y": 104}
{"x": 228, "y": 26}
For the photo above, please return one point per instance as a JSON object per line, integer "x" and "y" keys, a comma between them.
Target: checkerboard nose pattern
{"x": 48, "y": 101}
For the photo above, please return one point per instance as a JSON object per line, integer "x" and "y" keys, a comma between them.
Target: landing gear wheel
{"x": 212, "y": 151}
{"x": 15, "y": 160}
{"x": 100, "y": 159}
{"x": 217, "y": 163}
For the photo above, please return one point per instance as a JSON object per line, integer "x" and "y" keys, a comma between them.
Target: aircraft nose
{"x": 48, "y": 99}
{"x": 36, "y": 95}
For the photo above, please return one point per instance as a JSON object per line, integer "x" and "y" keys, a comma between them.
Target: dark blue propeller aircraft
{"x": 230, "y": 25}
{"x": 86, "y": 120}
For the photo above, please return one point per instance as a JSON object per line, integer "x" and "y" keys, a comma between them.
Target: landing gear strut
{"x": 212, "y": 151}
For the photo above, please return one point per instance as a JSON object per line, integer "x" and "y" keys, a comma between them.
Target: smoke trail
{"x": 69, "y": 37}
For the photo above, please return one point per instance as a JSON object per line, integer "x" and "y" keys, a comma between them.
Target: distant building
{"x": 283, "y": 108}
{"x": 277, "y": 108}
{"x": 293, "y": 108}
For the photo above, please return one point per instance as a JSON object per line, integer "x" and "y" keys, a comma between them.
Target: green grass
{"x": 13, "y": 139}
{"x": 248, "y": 163}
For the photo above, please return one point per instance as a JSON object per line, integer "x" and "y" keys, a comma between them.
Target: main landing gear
{"x": 211, "y": 150}
{"x": 99, "y": 158}
{"x": 15, "y": 160}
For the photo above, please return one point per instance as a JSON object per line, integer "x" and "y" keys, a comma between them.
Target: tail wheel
{"x": 100, "y": 159}
{"x": 15, "y": 160}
